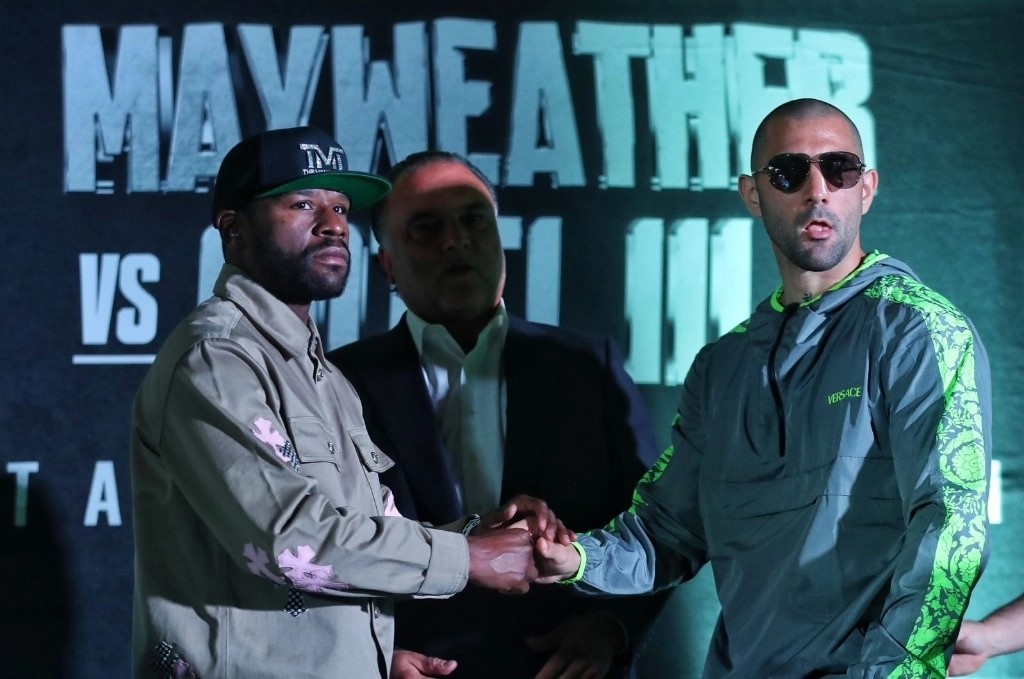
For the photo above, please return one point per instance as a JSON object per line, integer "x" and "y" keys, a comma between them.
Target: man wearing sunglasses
{"x": 830, "y": 454}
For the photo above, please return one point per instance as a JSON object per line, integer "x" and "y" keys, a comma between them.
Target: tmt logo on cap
{"x": 317, "y": 161}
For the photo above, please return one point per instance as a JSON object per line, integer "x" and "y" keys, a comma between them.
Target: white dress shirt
{"x": 468, "y": 394}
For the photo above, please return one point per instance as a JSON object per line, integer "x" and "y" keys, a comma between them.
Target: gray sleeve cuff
{"x": 448, "y": 569}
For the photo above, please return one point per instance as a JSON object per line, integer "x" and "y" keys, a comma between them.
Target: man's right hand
{"x": 555, "y": 561}
{"x": 413, "y": 665}
{"x": 971, "y": 650}
{"x": 502, "y": 559}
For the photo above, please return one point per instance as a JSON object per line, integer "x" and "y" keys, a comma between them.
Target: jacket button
{"x": 374, "y": 456}
{"x": 376, "y": 611}
{"x": 330, "y": 447}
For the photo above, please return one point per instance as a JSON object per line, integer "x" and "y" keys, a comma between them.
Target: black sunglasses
{"x": 788, "y": 171}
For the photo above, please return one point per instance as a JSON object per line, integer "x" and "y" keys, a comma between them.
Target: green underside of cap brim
{"x": 361, "y": 188}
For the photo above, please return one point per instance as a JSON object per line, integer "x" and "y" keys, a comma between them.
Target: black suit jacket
{"x": 577, "y": 435}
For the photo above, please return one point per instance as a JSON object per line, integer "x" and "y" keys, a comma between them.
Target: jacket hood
{"x": 875, "y": 265}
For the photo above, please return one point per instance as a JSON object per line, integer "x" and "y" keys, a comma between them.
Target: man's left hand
{"x": 583, "y": 647}
{"x": 412, "y": 665}
{"x": 530, "y": 514}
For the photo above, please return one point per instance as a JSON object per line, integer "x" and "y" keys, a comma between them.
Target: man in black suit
{"x": 475, "y": 406}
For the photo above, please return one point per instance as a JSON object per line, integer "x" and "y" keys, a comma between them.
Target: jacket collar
{"x": 270, "y": 315}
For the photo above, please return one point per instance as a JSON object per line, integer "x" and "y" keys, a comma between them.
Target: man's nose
{"x": 817, "y": 187}
{"x": 455, "y": 233}
{"x": 330, "y": 222}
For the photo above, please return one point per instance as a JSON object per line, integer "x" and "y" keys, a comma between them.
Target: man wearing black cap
{"x": 265, "y": 544}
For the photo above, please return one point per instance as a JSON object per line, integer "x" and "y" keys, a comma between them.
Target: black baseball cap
{"x": 278, "y": 161}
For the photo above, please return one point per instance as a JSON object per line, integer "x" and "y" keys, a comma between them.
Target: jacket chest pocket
{"x": 319, "y": 451}
{"x": 372, "y": 461}
{"x": 345, "y": 466}
{"x": 371, "y": 457}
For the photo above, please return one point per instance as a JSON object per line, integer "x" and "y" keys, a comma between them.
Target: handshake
{"x": 521, "y": 543}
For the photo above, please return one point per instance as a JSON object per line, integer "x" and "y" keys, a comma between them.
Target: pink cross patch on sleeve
{"x": 266, "y": 433}
{"x": 306, "y": 575}
{"x": 389, "y": 502}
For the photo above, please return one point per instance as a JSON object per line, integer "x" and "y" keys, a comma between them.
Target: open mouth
{"x": 818, "y": 230}
{"x": 459, "y": 269}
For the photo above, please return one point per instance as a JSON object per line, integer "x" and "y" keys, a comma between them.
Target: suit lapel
{"x": 401, "y": 402}
{"x": 530, "y": 408}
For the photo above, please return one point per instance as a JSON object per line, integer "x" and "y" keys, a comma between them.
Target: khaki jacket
{"x": 265, "y": 545}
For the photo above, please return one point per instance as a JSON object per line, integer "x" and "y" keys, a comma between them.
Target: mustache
{"x": 459, "y": 261}
{"x": 818, "y": 213}
{"x": 333, "y": 243}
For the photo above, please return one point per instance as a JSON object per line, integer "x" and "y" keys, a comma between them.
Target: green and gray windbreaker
{"x": 830, "y": 460}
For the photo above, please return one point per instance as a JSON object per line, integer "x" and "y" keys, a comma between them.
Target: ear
{"x": 228, "y": 223}
{"x": 387, "y": 263}
{"x": 869, "y": 185}
{"x": 749, "y": 194}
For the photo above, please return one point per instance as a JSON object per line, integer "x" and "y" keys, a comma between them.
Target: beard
{"x": 821, "y": 256}
{"x": 294, "y": 278}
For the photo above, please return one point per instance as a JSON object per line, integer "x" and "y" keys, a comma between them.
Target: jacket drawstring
{"x": 773, "y": 377}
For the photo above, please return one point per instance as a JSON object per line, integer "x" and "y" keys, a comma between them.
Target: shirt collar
{"x": 496, "y": 327}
